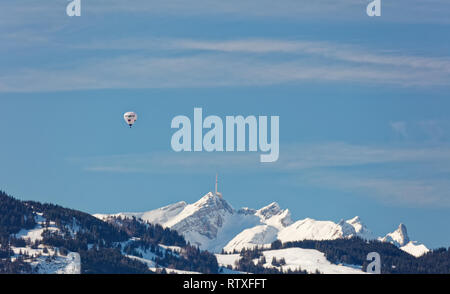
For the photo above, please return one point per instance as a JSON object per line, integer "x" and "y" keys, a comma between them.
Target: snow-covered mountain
{"x": 211, "y": 223}
{"x": 310, "y": 229}
{"x": 360, "y": 229}
{"x": 214, "y": 225}
{"x": 208, "y": 223}
{"x": 273, "y": 215}
{"x": 306, "y": 229}
{"x": 401, "y": 239}
{"x": 398, "y": 237}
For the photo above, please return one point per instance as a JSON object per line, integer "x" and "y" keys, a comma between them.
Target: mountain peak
{"x": 402, "y": 228}
{"x": 354, "y": 220}
{"x": 206, "y": 198}
{"x": 273, "y": 215}
{"x": 404, "y": 233}
{"x": 347, "y": 228}
{"x": 269, "y": 210}
{"x": 213, "y": 200}
{"x": 273, "y": 205}
{"x": 398, "y": 237}
{"x": 360, "y": 229}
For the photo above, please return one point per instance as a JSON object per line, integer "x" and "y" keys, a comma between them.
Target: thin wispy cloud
{"x": 293, "y": 158}
{"x": 403, "y": 192}
{"x": 435, "y": 129}
{"x": 324, "y": 49}
{"x": 232, "y": 63}
{"x": 144, "y": 61}
{"x": 413, "y": 11}
{"x": 329, "y": 50}
{"x": 400, "y": 127}
{"x": 429, "y": 130}
{"x": 332, "y": 165}
{"x": 167, "y": 162}
{"x": 335, "y": 154}
{"x": 376, "y": 171}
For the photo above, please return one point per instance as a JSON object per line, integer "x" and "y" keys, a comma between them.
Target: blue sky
{"x": 363, "y": 106}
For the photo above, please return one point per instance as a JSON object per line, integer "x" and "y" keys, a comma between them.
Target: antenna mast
{"x": 217, "y": 187}
{"x": 216, "y": 182}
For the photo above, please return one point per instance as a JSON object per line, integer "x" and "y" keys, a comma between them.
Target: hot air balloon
{"x": 130, "y": 118}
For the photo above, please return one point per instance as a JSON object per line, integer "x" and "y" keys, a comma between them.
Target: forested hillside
{"x": 104, "y": 246}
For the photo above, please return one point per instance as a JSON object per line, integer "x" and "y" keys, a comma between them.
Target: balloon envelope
{"x": 130, "y": 118}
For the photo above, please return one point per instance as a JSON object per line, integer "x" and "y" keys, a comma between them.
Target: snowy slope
{"x": 278, "y": 225}
{"x": 262, "y": 235}
{"x": 35, "y": 234}
{"x": 415, "y": 249}
{"x": 45, "y": 259}
{"x": 49, "y": 261}
{"x": 159, "y": 216}
{"x": 272, "y": 220}
{"x": 69, "y": 264}
{"x": 310, "y": 229}
{"x": 227, "y": 259}
{"x": 306, "y": 259}
{"x": 163, "y": 215}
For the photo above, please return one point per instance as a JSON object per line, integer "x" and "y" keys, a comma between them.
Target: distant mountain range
{"x": 208, "y": 236}
{"x": 212, "y": 224}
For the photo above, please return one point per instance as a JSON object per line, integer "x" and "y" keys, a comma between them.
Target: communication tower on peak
{"x": 217, "y": 185}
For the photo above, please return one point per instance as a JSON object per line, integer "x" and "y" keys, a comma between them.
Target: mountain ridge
{"x": 214, "y": 225}
{"x": 47, "y": 238}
